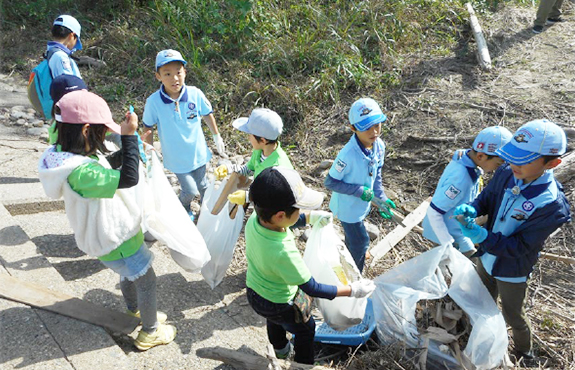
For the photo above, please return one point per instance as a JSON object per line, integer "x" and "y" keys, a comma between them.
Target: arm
{"x": 378, "y": 190}
{"x": 438, "y": 226}
{"x": 315, "y": 289}
{"x": 342, "y": 187}
{"x": 211, "y": 122}
{"x": 148, "y": 135}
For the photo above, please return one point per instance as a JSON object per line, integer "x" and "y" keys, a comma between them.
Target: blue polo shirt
{"x": 458, "y": 184}
{"x": 515, "y": 209}
{"x": 357, "y": 166}
{"x": 184, "y": 146}
{"x": 60, "y": 62}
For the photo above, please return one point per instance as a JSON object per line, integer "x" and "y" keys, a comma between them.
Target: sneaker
{"x": 551, "y": 21}
{"x": 162, "y": 317}
{"x": 284, "y": 353}
{"x": 537, "y": 29}
{"x": 163, "y": 335}
{"x": 527, "y": 359}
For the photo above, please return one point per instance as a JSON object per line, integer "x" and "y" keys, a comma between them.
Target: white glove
{"x": 362, "y": 288}
{"x": 220, "y": 146}
{"x": 322, "y": 217}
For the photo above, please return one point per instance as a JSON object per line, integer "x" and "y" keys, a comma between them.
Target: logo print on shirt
{"x": 452, "y": 192}
{"x": 340, "y": 165}
{"x": 66, "y": 64}
{"x": 528, "y": 206}
{"x": 519, "y": 217}
{"x": 192, "y": 115}
{"x": 191, "y": 106}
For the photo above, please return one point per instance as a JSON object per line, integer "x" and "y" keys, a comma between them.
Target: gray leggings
{"x": 141, "y": 294}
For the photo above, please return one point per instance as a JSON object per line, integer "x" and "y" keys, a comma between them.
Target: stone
{"x": 16, "y": 115}
{"x": 31, "y": 111}
{"x": 324, "y": 165}
{"x": 37, "y": 131}
{"x": 18, "y": 108}
{"x": 20, "y": 122}
{"x": 372, "y": 230}
{"x": 37, "y": 123}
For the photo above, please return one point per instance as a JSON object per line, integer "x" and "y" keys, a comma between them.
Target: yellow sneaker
{"x": 162, "y": 317}
{"x": 163, "y": 335}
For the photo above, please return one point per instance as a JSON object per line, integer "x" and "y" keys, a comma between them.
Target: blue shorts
{"x": 132, "y": 267}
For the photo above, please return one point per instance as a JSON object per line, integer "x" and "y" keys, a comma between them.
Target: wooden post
{"x": 482, "y": 50}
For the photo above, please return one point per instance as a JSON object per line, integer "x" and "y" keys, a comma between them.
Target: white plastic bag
{"x": 329, "y": 262}
{"x": 166, "y": 219}
{"x": 220, "y": 232}
{"x": 421, "y": 278}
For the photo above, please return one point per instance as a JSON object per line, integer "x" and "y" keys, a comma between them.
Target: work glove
{"x": 385, "y": 207}
{"x": 362, "y": 288}
{"x": 239, "y": 197}
{"x": 221, "y": 172}
{"x": 474, "y": 232}
{"x": 465, "y": 210}
{"x": 367, "y": 194}
{"x": 220, "y": 146}
{"x": 322, "y": 218}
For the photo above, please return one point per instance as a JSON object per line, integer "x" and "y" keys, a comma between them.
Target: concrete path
{"x": 37, "y": 245}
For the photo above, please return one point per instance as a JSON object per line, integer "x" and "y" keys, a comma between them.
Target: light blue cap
{"x": 365, "y": 113}
{"x": 533, "y": 140}
{"x": 167, "y": 56}
{"x": 262, "y": 122}
{"x": 73, "y": 25}
{"x": 490, "y": 139}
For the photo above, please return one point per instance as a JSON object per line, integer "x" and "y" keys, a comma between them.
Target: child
{"x": 59, "y": 87}
{"x": 276, "y": 272}
{"x": 66, "y": 40}
{"x": 355, "y": 177}
{"x": 525, "y": 204}
{"x": 264, "y": 126}
{"x": 101, "y": 203}
{"x": 548, "y": 13}
{"x": 176, "y": 109}
{"x": 460, "y": 183}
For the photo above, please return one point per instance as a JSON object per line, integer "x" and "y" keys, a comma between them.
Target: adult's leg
{"x": 357, "y": 241}
{"x": 513, "y": 298}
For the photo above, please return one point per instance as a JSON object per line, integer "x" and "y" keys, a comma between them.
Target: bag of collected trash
{"x": 166, "y": 219}
{"x": 432, "y": 275}
{"x": 329, "y": 262}
{"x": 220, "y": 231}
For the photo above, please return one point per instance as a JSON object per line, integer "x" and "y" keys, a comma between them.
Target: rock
{"x": 37, "y": 123}
{"x": 37, "y": 131}
{"x": 20, "y": 122}
{"x": 16, "y": 115}
{"x": 44, "y": 137}
{"x": 17, "y": 108}
{"x": 31, "y": 111}
{"x": 30, "y": 116}
{"x": 324, "y": 165}
{"x": 372, "y": 230}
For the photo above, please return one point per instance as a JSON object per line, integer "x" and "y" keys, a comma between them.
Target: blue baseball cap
{"x": 533, "y": 140}
{"x": 262, "y": 122}
{"x": 73, "y": 25}
{"x": 167, "y": 56}
{"x": 64, "y": 84}
{"x": 490, "y": 139}
{"x": 365, "y": 113}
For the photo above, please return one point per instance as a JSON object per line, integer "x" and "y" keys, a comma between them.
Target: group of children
{"x": 523, "y": 201}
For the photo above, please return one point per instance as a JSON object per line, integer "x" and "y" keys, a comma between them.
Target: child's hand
{"x": 321, "y": 217}
{"x": 465, "y": 210}
{"x": 362, "y": 288}
{"x": 474, "y": 232}
{"x": 130, "y": 124}
{"x": 367, "y": 194}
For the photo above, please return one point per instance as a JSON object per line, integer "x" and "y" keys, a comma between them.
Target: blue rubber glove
{"x": 465, "y": 210}
{"x": 474, "y": 232}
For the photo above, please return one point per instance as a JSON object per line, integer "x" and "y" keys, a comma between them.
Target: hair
{"x": 266, "y": 214}
{"x": 549, "y": 158}
{"x": 60, "y": 32}
{"x": 489, "y": 156}
{"x": 260, "y": 139}
{"x": 71, "y": 139}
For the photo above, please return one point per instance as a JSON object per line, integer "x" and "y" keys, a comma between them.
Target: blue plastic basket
{"x": 354, "y": 336}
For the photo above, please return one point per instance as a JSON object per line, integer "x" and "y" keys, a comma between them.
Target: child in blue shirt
{"x": 355, "y": 177}
{"x": 461, "y": 183}
{"x": 66, "y": 40}
{"x": 525, "y": 204}
{"x": 176, "y": 109}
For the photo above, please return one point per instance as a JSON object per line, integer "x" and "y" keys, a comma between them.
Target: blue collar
{"x": 166, "y": 98}
{"x": 466, "y": 161}
{"x": 534, "y": 188}
{"x": 57, "y": 45}
{"x": 364, "y": 150}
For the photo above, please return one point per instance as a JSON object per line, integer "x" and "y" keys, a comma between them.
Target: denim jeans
{"x": 356, "y": 241}
{"x": 192, "y": 183}
{"x": 280, "y": 318}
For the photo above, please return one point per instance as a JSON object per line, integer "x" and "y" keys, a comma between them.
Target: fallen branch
{"x": 442, "y": 139}
{"x": 482, "y": 51}
{"x": 555, "y": 257}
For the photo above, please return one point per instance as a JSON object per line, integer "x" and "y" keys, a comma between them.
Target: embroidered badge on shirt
{"x": 191, "y": 106}
{"x": 528, "y": 206}
{"x": 340, "y": 165}
{"x": 452, "y": 192}
{"x": 66, "y": 64}
{"x": 519, "y": 217}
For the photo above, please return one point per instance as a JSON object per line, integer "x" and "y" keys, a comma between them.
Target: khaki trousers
{"x": 548, "y": 9}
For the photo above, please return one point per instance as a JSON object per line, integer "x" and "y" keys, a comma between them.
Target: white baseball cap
{"x": 490, "y": 139}
{"x": 365, "y": 113}
{"x": 73, "y": 25}
{"x": 262, "y": 122}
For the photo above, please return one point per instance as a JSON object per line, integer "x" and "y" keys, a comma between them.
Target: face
{"x": 257, "y": 145}
{"x": 369, "y": 136}
{"x": 533, "y": 170}
{"x": 489, "y": 164}
{"x": 281, "y": 220}
{"x": 172, "y": 76}
{"x": 70, "y": 40}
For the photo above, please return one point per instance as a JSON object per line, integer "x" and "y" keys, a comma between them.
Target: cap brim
{"x": 512, "y": 154}
{"x": 241, "y": 124}
{"x": 170, "y": 61}
{"x": 78, "y": 45}
{"x": 368, "y": 122}
{"x": 311, "y": 199}
{"x": 114, "y": 127}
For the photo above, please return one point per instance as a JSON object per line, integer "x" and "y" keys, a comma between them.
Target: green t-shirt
{"x": 92, "y": 180}
{"x": 275, "y": 265}
{"x": 277, "y": 158}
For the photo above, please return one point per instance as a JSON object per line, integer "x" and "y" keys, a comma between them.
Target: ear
{"x": 158, "y": 77}
{"x": 352, "y": 127}
{"x": 553, "y": 163}
{"x": 85, "y": 129}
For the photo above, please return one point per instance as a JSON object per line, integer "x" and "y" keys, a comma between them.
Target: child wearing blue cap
{"x": 525, "y": 204}
{"x": 66, "y": 40}
{"x": 460, "y": 183}
{"x": 355, "y": 177}
{"x": 176, "y": 110}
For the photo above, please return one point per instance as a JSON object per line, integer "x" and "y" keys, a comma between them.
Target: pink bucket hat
{"x": 83, "y": 107}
